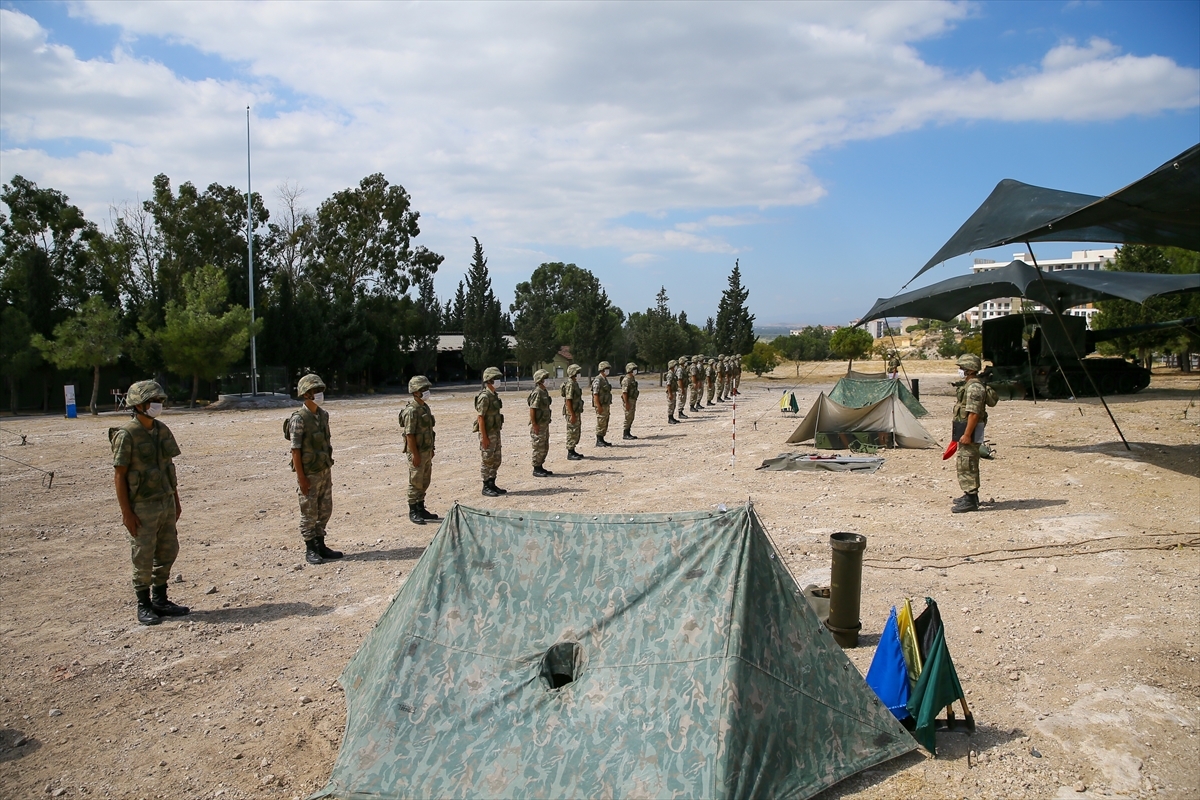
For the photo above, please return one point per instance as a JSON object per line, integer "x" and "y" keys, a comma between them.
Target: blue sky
{"x": 832, "y": 148}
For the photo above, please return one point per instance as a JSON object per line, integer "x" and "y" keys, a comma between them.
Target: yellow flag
{"x": 908, "y": 641}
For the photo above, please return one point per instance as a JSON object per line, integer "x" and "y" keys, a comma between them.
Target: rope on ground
{"x": 21, "y": 436}
{"x": 48, "y": 476}
{"x": 1047, "y": 551}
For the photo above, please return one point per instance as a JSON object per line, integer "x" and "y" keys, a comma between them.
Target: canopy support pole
{"x": 1078, "y": 357}
{"x": 1028, "y": 353}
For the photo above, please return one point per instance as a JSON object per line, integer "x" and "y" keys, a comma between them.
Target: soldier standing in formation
{"x": 148, "y": 494}
{"x": 710, "y": 379}
{"x": 695, "y": 377}
{"x": 488, "y": 422}
{"x": 970, "y": 417}
{"x": 417, "y": 421}
{"x": 539, "y": 423}
{"x": 629, "y": 396}
{"x": 573, "y": 410}
{"x": 681, "y": 382}
{"x": 312, "y": 461}
{"x": 669, "y": 379}
{"x": 721, "y": 378}
{"x": 602, "y": 402}
{"x": 736, "y": 382}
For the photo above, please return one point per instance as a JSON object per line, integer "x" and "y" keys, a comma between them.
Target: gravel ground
{"x": 1070, "y": 601}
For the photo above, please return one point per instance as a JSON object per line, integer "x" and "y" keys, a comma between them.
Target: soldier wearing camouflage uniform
{"x": 629, "y": 396}
{"x": 417, "y": 421}
{"x": 736, "y": 382}
{"x": 669, "y": 379}
{"x": 681, "y": 384}
{"x": 695, "y": 377}
{"x": 573, "y": 410}
{"x": 539, "y": 423}
{"x": 710, "y": 380}
{"x": 721, "y": 378}
{"x": 488, "y": 422}
{"x": 312, "y": 461}
{"x": 148, "y": 493}
{"x": 602, "y": 402}
{"x": 970, "y": 417}
{"x": 893, "y": 364}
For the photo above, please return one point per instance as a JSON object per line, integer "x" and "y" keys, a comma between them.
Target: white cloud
{"x": 533, "y": 126}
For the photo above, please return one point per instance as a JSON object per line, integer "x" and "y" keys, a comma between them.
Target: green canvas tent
{"x": 852, "y": 391}
{"x": 542, "y": 654}
{"x": 887, "y": 422}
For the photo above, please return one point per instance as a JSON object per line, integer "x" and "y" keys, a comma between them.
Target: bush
{"x": 763, "y": 358}
{"x": 949, "y": 347}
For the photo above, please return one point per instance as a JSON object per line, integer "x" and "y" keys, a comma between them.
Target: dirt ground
{"x": 1070, "y": 601}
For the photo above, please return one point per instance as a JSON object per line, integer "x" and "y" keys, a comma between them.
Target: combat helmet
{"x": 491, "y": 373}
{"x": 672, "y": 363}
{"x": 630, "y": 367}
{"x": 603, "y": 366}
{"x": 144, "y": 392}
{"x": 970, "y": 362}
{"x": 574, "y": 370}
{"x": 540, "y": 376}
{"x": 418, "y": 383}
{"x": 310, "y": 383}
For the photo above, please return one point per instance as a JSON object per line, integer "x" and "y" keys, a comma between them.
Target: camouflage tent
{"x": 541, "y": 654}
{"x": 887, "y": 423}
{"x": 855, "y": 392}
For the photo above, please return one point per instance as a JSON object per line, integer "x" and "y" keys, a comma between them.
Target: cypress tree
{"x": 482, "y": 322}
{"x": 734, "y": 329}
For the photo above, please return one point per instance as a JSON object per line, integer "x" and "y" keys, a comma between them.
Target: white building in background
{"x": 1003, "y": 306}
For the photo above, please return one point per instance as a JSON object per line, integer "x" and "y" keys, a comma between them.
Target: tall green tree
{"x": 483, "y": 325}
{"x": 452, "y": 315}
{"x": 18, "y": 356}
{"x": 91, "y": 339}
{"x": 658, "y": 336}
{"x": 423, "y": 340}
{"x": 201, "y": 338}
{"x": 584, "y": 317}
{"x": 851, "y": 343}
{"x": 734, "y": 329}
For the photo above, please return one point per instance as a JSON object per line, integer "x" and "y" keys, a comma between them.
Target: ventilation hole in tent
{"x": 560, "y": 664}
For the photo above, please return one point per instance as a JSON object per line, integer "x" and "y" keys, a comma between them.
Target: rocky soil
{"x": 1070, "y": 600}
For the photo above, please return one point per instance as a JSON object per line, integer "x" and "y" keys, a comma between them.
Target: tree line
{"x": 163, "y": 288}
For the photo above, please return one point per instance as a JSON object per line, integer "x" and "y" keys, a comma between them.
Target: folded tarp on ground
{"x": 788, "y": 462}
{"x": 854, "y": 392}
{"x": 889, "y": 415}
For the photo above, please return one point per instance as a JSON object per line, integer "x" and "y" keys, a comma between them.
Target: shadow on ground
{"x": 8, "y": 749}
{"x": 1181, "y": 458}
{"x": 1021, "y": 504}
{"x": 267, "y": 612}
{"x": 550, "y": 490}
{"x": 395, "y": 554}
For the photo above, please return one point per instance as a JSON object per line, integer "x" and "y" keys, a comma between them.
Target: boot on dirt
{"x": 964, "y": 504}
{"x": 497, "y": 488}
{"x": 164, "y": 607}
{"x": 671, "y": 420}
{"x": 539, "y": 472}
{"x": 426, "y": 513}
{"x": 628, "y": 435}
{"x": 488, "y": 491}
{"x": 682, "y": 415}
{"x": 311, "y": 554}
{"x": 573, "y": 456}
{"x": 325, "y": 551}
{"x": 414, "y": 514}
{"x": 145, "y": 610}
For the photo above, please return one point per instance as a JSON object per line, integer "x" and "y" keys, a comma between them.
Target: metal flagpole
{"x": 250, "y": 260}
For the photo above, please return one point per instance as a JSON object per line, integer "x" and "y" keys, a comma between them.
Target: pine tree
{"x": 452, "y": 320}
{"x": 734, "y": 333}
{"x": 424, "y": 342}
{"x": 482, "y": 323}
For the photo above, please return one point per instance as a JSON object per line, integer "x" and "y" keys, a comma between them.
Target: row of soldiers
{"x": 147, "y": 485}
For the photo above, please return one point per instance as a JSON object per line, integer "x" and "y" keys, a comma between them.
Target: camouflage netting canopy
{"x": 853, "y": 392}
{"x": 535, "y": 654}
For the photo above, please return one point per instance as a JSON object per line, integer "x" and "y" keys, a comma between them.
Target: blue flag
{"x": 888, "y": 674}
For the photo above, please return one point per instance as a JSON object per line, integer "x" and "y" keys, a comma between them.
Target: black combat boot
{"x": 710, "y": 403}
{"x": 489, "y": 490}
{"x": 539, "y": 472}
{"x": 671, "y": 420}
{"x": 968, "y": 502}
{"x": 497, "y": 488}
{"x": 311, "y": 554}
{"x": 145, "y": 609}
{"x": 628, "y": 435}
{"x": 573, "y": 456}
{"x": 325, "y": 551}
{"x": 425, "y": 512}
{"x": 164, "y": 607}
{"x": 414, "y": 514}
{"x": 682, "y": 415}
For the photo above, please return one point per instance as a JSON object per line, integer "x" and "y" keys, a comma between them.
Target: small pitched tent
{"x": 535, "y": 654}
{"x": 853, "y": 391}
{"x": 889, "y": 422}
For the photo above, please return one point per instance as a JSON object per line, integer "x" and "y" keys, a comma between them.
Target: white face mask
{"x": 154, "y": 410}
{"x": 604, "y": 372}
{"x": 318, "y": 398}
{"x": 635, "y": 372}
{"x": 961, "y": 373}
{"x": 425, "y": 395}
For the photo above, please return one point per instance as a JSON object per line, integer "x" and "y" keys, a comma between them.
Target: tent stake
{"x": 1079, "y": 358}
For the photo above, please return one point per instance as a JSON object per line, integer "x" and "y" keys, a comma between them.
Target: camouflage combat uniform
{"x": 710, "y": 381}
{"x": 629, "y": 388}
{"x": 310, "y": 435}
{"x": 488, "y": 405}
{"x": 721, "y": 371}
{"x": 151, "y": 482}
{"x": 695, "y": 373}
{"x": 572, "y": 402}
{"x": 971, "y": 399}
{"x": 539, "y": 400}
{"x": 669, "y": 380}
{"x": 602, "y": 394}
{"x": 417, "y": 421}
{"x": 681, "y": 382}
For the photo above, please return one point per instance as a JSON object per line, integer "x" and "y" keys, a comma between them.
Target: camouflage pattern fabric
{"x": 630, "y": 413}
{"x": 682, "y": 383}
{"x": 573, "y": 399}
{"x": 539, "y": 401}
{"x": 966, "y": 464}
{"x": 419, "y": 477}
{"x": 489, "y": 457}
{"x": 675, "y": 657}
{"x": 148, "y": 455}
{"x": 156, "y": 544}
{"x": 317, "y": 506}
{"x": 860, "y": 393}
{"x": 540, "y": 444}
{"x": 971, "y": 398}
{"x": 670, "y": 395}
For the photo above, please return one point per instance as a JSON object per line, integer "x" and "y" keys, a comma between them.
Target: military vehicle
{"x": 1031, "y": 356}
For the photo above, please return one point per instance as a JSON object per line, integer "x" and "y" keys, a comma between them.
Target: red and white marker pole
{"x": 733, "y": 452}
